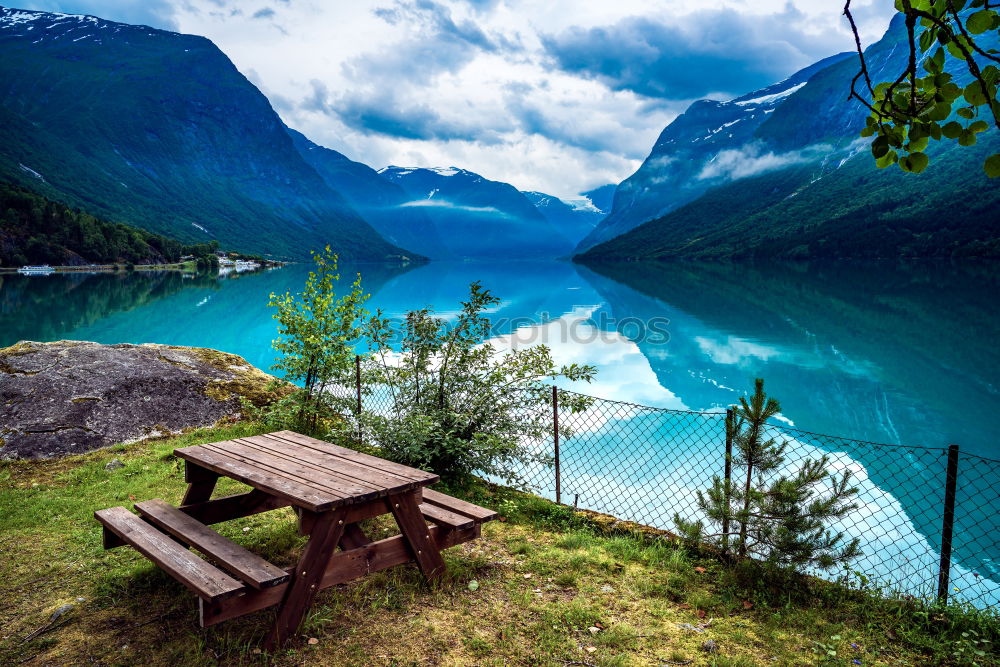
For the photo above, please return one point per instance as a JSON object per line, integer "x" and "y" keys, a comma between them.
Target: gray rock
{"x": 114, "y": 464}
{"x": 70, "y": 397}
{"x": 709, "y": 646}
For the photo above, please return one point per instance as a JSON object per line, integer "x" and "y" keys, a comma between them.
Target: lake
{"x": 899, "y": 353}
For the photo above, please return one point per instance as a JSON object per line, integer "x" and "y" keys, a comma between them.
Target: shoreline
{"x": 184, "y": 267}
{"x": 111, "y": 268}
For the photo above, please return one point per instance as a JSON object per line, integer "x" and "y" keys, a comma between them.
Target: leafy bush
{"x": 460, "y": 405}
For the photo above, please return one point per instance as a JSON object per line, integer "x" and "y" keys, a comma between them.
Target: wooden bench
{"x": 331, "y": 488}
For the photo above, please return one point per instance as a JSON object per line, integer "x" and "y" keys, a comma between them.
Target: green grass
{"x": 551, "y": 588}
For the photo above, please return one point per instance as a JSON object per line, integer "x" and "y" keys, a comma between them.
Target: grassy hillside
{"x": 552, "y": 587}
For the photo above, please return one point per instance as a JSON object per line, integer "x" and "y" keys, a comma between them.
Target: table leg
{"x": 327, "y": 530}
{"x": 353, "y": 537}
{"x": 406, "y": 510}
{"x": 201, "y": 483}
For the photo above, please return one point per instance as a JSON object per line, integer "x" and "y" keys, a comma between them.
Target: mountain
{"x": 379, "y": 201}
{"x": 670, "y": 176}
{"x": 160, "y": 130}
{"x": 477, "y": 217}
{"x": 803, "y": 184}
{"x": 573, "y": 218}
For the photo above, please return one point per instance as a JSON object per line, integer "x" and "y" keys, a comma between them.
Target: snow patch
{"x": 767, "y": 99}
{"x": 31, "y": 171}
{"x": 195, "y": 224}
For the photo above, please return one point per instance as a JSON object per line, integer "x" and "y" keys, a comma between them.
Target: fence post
{"x": 729, "y": 475}
{"x": 555, "y": 439}
{"x": 357, "y": 381}
{"x": 948, "y": 523}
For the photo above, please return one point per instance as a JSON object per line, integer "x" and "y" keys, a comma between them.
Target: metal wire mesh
{"x": 647, "y": 465}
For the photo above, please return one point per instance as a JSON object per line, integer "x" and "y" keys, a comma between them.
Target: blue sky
{"x": 558, "y": 96}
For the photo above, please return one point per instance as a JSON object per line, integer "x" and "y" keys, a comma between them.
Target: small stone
{"x": 590, "y": 649}
{"x": 527, "y": 576}
{"x": 688, "y": 626}
{"x": 312, "y": 641}
{"x": 593, "y": 629}
{"x": 607, "y": 589}
{"x": 61, "y": 611}
{"x": 709, "y": 646}
{"x": 114, "y": 464}
{"x": 80, "y": 600}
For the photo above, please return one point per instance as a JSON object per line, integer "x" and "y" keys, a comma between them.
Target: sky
{"x": 558, "y": 96}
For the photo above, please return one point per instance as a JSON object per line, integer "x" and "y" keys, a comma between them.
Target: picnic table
{"x": 331, "y": 488}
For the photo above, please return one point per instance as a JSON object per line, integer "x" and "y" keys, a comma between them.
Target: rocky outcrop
{"x": 70, "y": 397}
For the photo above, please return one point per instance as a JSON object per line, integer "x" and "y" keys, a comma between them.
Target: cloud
{"x": 559, "y": 96}
{"x": 715, "y": 52}
{"x": 264, "y": 13}
{"x": 154, "y": 13}
{"x": 753, "y": 159}
{"x": 441, "y": 203}
{"x": 385, "y": 112}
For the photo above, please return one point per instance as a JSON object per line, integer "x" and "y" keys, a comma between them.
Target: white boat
{"x": 41, "y": 269}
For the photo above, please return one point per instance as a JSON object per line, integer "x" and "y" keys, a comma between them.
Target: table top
{"x": 309, "y": 473}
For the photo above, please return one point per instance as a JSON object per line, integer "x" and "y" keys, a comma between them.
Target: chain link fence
{"x": 646, "y": 464}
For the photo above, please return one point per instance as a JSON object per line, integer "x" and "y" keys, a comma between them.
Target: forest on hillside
{"x": 37, "y": 230}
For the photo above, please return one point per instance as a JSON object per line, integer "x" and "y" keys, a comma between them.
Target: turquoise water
{"x": 892, "y": 353}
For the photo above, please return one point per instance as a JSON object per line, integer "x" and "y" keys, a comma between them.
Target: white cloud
{"x": 474, "y": 78}
{"x": 751, "y": 160}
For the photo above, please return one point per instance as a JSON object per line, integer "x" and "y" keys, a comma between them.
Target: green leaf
{"x": 880, "y": 147}
{"x": 918, "y": 145}
{"x": 887, "y": 160}
{"x": 914, "y": 162}
{"x": 966, "y": 112}
{"x": 979, "y": 126}
{"x": 473, "y": 585}
{"x": 952, "y": 130}
{"x": 974, "y": 94}
{"x": 940, "y": 111}
{"x": 967, "y": 138}
{"x": 927, "y": 39}
{"x": 980, "y": 21}
{"x": 992, "y": 166}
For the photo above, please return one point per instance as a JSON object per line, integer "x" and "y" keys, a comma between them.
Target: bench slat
{"x": 474, "y": 512}
{"x": 246, "y": 565}
{"x": 446, "y": 518}
{"x": 205, "y": 580}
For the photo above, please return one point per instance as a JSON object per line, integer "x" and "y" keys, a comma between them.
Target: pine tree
{"x": 772, "y": 514}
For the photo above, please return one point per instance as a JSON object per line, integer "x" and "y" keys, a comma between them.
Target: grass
{"x": 550, "y": 588}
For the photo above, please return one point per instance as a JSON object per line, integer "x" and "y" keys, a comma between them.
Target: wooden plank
{"x": 368, "y": 460}
{"x": 319, "y": 481}
{"x": 321, "y": 469}
{"x": 246, "y": 565}
{"x": 235, "y": 506}
{"x": 308, "y": 575}
{"x": 205, "y": 580}
{"x": 423, "y": 549}
{"x": 344, "y": 566}
{"x": 275, "y": 484}
{"x": 446, "y": 518}
{"x": 365, "y": 475}
{"x": 479, "y": 514}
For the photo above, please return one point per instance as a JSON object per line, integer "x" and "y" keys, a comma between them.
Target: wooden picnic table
{"x": 331, "y": 488}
